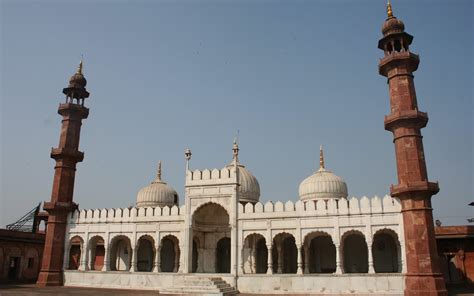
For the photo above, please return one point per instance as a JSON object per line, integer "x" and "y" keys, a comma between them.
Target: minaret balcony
{"x": 67, "y": 153}
{"x": 414, "y": 190}
{"x": 406, "y": 118}
{"x": 403, "y": 62}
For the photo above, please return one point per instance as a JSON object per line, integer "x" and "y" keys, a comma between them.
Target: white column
{"x": 370, "y": 257}
{"x": 338, "y": 259}
{"x": 67, "y": 249}
{"x": 106, "y": 266}
{"x": 254, "y": 256}
{"x": 133, "y": 267}
{"x": 84, "y": 254}
{"x": 176, "y": 258}
{"x": 300, "y": 260}
{"x": 269, "y": 260}
{"x": 306, "y": 259}
{"x": 156, "y": 264}
{"x": 280, "y": 258}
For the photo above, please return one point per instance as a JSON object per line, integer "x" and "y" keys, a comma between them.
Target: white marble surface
{"x": 378, "y": 284}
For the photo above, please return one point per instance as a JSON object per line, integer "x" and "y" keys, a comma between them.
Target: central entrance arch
{"x": 211, "y": 239}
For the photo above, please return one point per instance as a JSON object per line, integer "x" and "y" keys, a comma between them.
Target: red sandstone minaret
{"x": 414, "y": 190}
{"x": 67, "y": 155}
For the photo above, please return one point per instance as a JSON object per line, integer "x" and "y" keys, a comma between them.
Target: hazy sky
{"x": 290, "y": 75}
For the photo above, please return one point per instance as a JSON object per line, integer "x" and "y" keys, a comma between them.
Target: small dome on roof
{"x": 157, "y": 194}
{"x": 323, "y": 184}
{"x": 249, "y": 189}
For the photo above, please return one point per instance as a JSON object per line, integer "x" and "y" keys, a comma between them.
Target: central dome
{"x": 157, "y": 194}
{"x": 323, "y": 184}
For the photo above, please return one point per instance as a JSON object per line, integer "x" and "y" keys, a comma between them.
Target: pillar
{"x": 338, "y": 259}
{"x": 254, "y": 257}
{"x": 300, "y": 260}
{"x": 156, "y": 263}
{"x": 133, "y": 267}
{"x": 106, "y": 266}
{"x": 306, "y": 259}
{"x": 280, "y": 258}
{"x": 269, "y": 260}
{"x": 370, "y": 257}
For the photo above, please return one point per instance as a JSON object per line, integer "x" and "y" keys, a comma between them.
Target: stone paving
{"x": 32, "y": 290}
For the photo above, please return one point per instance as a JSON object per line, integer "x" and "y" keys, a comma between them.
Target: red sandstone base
{"x": 50, "y": 278}
{"x": 425, "y": 285}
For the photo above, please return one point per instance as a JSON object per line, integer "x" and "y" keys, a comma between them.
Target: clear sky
{"x": 290, "y": 75}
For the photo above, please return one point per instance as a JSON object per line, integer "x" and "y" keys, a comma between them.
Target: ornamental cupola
{"x": 395, "y": 39}
{"x": 323, "y": 184}
{"x": 157, "y": 194}
{"x": 249, "y": 189}
{"x": 77, "y": 87}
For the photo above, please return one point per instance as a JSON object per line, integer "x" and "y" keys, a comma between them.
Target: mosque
{"x": 223, "y": 240}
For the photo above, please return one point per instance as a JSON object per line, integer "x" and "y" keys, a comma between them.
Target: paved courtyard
{"x": 32, "y": 290}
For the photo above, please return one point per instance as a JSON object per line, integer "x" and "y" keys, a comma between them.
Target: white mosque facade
{"x": 223, "y": 239}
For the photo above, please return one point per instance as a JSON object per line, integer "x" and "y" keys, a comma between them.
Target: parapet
{"x": 210, "y": 177}
{"x": 352, "y": 206}
{"x": 133, "y": 214}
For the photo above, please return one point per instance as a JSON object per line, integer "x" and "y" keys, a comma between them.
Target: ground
{"x": 32, "y": 290}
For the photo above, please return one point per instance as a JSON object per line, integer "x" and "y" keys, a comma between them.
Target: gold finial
{"x": 79, "y": 69}
{"x": 389, "y": 9}
{"x": 321, "y": 157}
{"x": 158, "y": 173}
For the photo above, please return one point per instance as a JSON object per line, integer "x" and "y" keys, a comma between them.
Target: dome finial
{"x": 321, "y": 157}
{"x": 158, "y": 173}
{"x": 235, "y": 150}
{"x": 79, "y": 69}
{"x": 389, "y": 9}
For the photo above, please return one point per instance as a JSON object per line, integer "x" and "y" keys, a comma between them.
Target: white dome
{"x": 323, "y": 184}
{"x": 157, "y": 194}
{"x": 249, "y": 189}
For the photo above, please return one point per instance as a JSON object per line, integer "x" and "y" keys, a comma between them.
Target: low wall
{"x": 131, "y": 280}
{"x": 376, "y": 284}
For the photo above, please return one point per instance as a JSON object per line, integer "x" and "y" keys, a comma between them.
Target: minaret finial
{"x": 389, "y": 9}
{"x": 158, "y": 173}
{"x": 321, "y": 157}
{"x": 79, "y": 69}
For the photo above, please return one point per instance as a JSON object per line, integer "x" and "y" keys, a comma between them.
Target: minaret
{"x": 66, "y": 156}
{"x": 414, "y": 190}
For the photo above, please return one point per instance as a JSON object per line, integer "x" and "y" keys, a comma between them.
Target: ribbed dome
{"x": 157, "y": 194}
{"x": 323, "y": 184}
{"x": 249, "y": 189}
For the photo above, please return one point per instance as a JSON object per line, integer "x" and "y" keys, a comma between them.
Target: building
{"x": 223, "y": 239}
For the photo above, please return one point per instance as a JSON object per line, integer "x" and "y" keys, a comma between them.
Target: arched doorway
{"x": 75, "y": 252}
{"x": 223, "y": 255}
{"x": 355, "y": 253}
{"x": 320, "y": 253}
{"x": 255, "y": 254}
{"x": 284, "y": 253}
{"x": 210, "y": 224}
{"x": 385, "y": 251}
{"x": 169, "y": 254}
{"x": 145, "y": 253}
{"x": 97, "y": 253}
{"x": 120, "y": 254}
